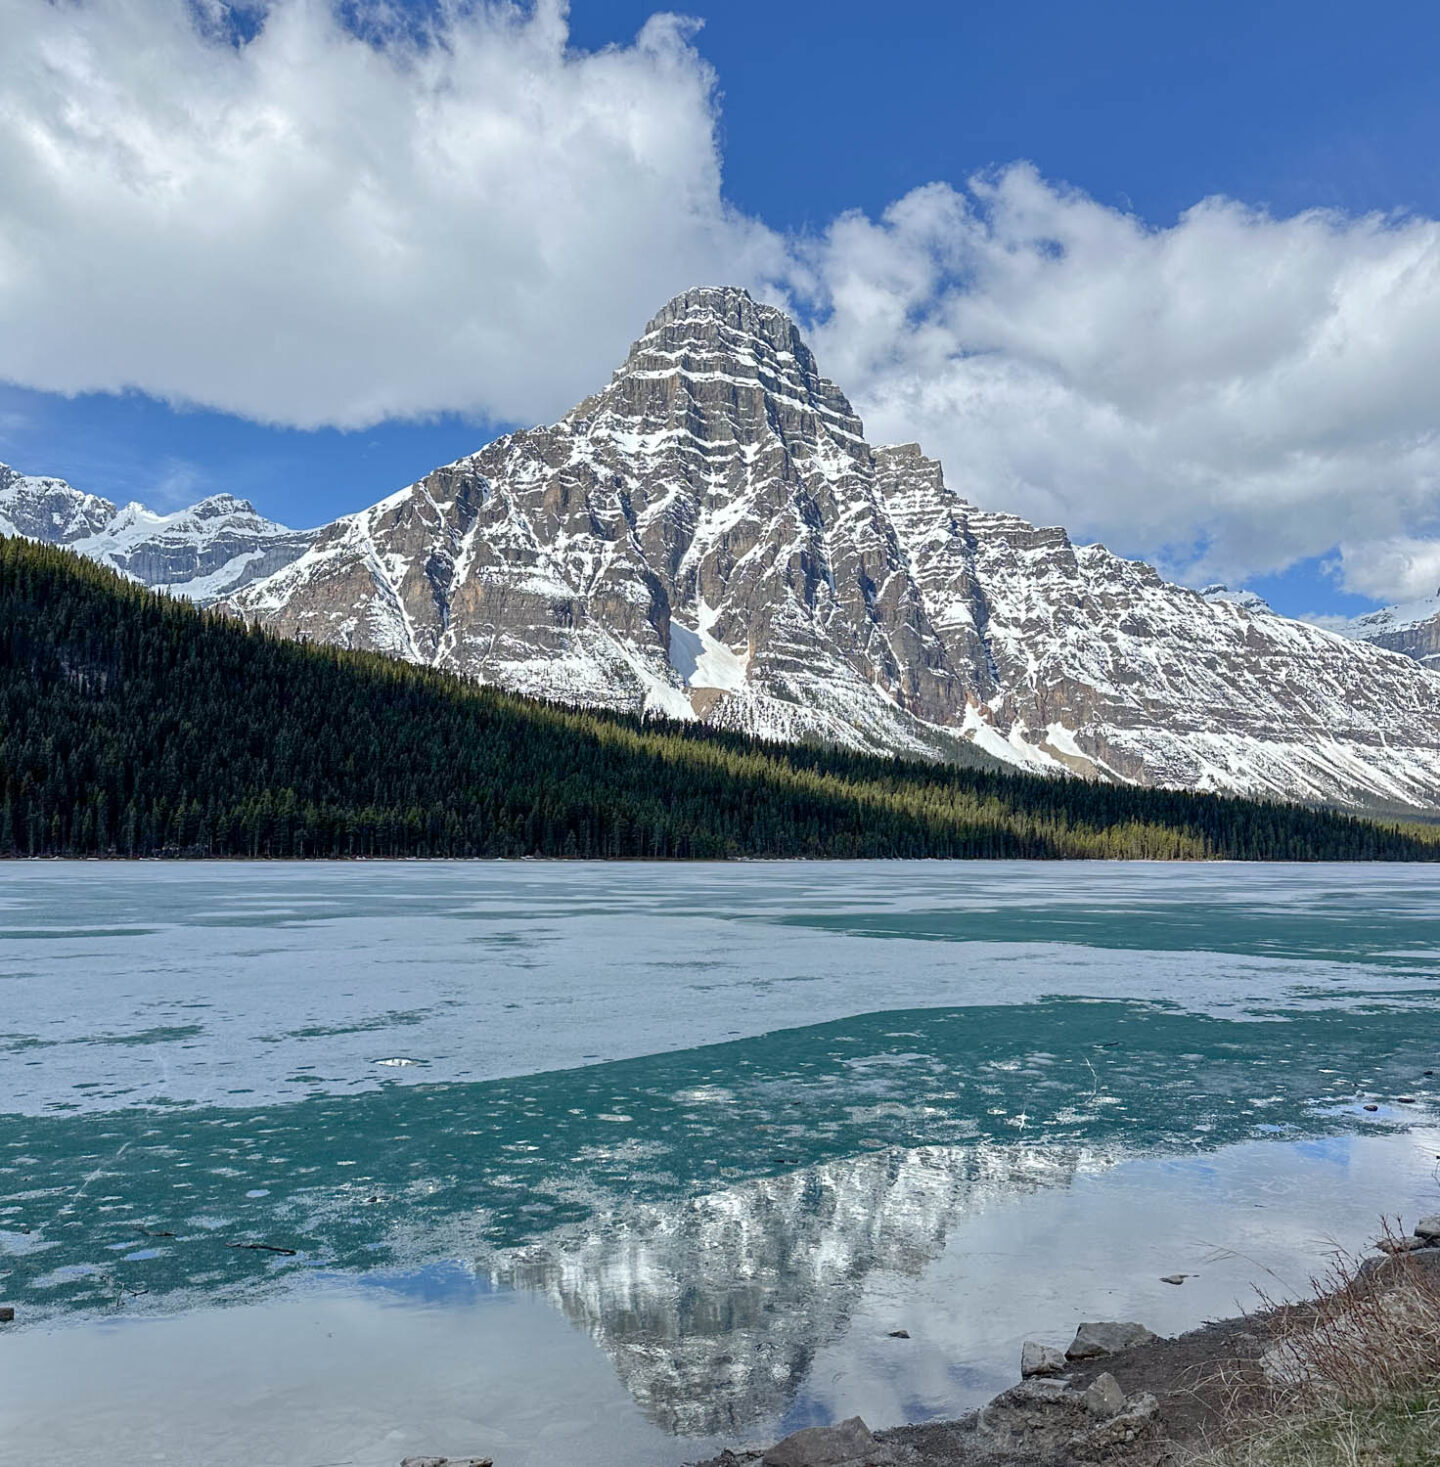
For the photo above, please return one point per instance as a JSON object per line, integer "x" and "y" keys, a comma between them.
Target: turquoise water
{"x": 715, "y": 1125}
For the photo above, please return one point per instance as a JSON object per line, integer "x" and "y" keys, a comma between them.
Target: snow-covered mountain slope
{"x": 1250, "y": 600}
{"x": 710, "y": 536}
{"x": 1413, "y": 627}
{"x": 205, "y": 552}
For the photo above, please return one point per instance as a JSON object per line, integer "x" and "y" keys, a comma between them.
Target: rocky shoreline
{"x": 1118, "y": 1395}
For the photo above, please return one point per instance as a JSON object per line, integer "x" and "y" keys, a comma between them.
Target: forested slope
{"x": 135, "y": 725}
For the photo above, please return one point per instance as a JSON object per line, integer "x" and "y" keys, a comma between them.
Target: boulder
{"x": 1429, "y": 1228}
{"x": 448, "y": 1462}
{"x": 1125, "y": 1437}
{"x": 7, "y": 1313}
{"x": 847, "y": 1445}
{"x": 1039, "y": 1393}
{"x": 1030, "y": 1422}
{"x": 1037, "y": 1359}
{"x": 1103, "y": 1396}
{"x": 1403, "y": 1245}
{"x": 1107, "y": 1337}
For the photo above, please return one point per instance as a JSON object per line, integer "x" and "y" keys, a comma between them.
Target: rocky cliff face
{"x": 706, "y": 537}
{"x": 1412, "y": 629}
{"x": 710, "y": 536}
{"x": 207, "y": 551}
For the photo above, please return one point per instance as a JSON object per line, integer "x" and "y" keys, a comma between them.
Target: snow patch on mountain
{"x": 702, "y": 661}
{"x": 1251, "y": 601}
{"x": 1401, "y": 617}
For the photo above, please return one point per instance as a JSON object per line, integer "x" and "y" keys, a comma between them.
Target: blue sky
{"x": 818, "y": 110}
{"x": 1148, "y": 106}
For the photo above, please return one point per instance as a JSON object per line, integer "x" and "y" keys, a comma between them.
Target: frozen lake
{"x": 687, "y": 1141}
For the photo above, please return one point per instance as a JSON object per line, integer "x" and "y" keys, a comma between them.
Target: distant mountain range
{"x": 204, "y": 553}
{"x": 1412, "y": 628}
{"x": 711, "y": 537}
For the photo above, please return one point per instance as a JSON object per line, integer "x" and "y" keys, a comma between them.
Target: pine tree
{"x": 135, "y": 725}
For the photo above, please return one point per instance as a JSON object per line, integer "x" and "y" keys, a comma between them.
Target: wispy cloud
{"x": 178, "y": 483}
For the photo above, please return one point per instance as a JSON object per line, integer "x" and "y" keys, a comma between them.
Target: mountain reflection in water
{"x": 710, "y": 1215}
{"x": 713, "y": 1308}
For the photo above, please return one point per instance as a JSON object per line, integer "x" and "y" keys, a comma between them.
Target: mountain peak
{"x": 710, "y": 536}
{"x": 1246, "y": 600}
{"x": 204, "y": 552}
{"x": 729, "y": 305}
{"x": 48, "y": 509}
{"x": 727, "y": 317}
{"x": 726, "y": 368}
{"x": 215, "y": 506}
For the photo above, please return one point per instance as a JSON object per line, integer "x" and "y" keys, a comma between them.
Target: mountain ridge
{"x": 1410, "y": 627}
{"x": 711, "y": 537}
{"x": 826, "y": 589}
{"x": 208, "y": 550}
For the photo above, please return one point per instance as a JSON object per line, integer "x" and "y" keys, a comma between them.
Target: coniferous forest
{"x": 135, "y": 725}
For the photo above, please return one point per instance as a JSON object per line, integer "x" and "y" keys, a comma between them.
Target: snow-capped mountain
{"x": 1249, "y": 600}
{"x": 1413, "y": 627}
{"x": 207, "y": 551}
{"x": 711, "y": 536}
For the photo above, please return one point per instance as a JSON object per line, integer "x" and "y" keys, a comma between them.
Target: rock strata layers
{"x": 1412, "y": 628}
{"x": 711, "y": 536}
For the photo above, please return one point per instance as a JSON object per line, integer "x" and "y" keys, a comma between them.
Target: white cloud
{"x": 1233, "y": 393}
{"x": 1399, "y": 568}
{"x": 1331, "y": 621}
{"x": 310, "y": 228}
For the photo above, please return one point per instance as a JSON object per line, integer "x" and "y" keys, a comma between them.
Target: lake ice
{"x": 689, "y": 1140}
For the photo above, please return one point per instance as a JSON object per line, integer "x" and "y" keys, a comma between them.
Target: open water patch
{"x": 400, "y": 1174}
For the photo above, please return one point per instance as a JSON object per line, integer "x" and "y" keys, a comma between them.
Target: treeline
{"x": 135, "y": 725}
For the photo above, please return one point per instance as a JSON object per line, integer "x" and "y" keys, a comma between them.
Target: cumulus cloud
{"x": 324, "y": 222}
{"x": 1398, "y": 567}
{"x": 309, "y": 227}
{"x": 1231, "y": 394}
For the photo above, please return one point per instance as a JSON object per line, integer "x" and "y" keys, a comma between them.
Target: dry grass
{"x": 1352, "y": 1379}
